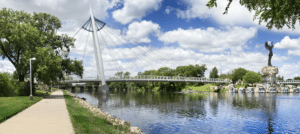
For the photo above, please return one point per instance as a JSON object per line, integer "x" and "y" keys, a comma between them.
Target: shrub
{"x": 247, "y": 85}
{"x": 24, "y": 88}
{"x": 6, "y": 87}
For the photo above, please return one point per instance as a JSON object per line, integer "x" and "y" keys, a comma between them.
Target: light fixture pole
{"x": 31, "y": 97}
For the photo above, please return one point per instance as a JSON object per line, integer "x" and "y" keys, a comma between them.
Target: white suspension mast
{"x": 100, "y": 69}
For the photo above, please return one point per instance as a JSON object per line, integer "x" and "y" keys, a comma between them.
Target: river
{"x": 157, "y": 112}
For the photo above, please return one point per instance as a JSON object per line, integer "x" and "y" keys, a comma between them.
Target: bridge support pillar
{"x": 90, "y": 88}
{"x": 221, "y": 86}
{"x": 81, "y": 89}
{"x": 96, "y": 88}
{"x": 73, "y": 89}
{"x": 104, "y": 89}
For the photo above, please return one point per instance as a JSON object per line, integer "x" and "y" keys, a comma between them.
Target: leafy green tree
{"x": 191, "y": 70}
{"x": 6, "y": 87}
{"x": 149, "y": 72}
{"x": 274, "y": 12}
{"x": 289, "y": 79}
{"x": 251, "y": 77}
{"x": 214, "y": 73}
{"x": 238, "y": 74}
{"x": 127, "y": 73}
{"x": 279, "y": 78}
{"x": 297, "y": 78}
{"x": 223, "y": 76}
{"x": 23, "y": 36}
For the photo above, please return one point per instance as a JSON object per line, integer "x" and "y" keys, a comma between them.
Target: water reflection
{"x": 164, "y": 112}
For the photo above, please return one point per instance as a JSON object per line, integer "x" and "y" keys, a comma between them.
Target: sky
{"x": 168, "y": 33}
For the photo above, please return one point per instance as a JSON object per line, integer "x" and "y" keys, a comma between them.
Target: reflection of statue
{"x": 270, "y": 52}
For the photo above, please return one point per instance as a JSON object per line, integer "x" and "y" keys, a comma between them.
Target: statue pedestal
{"x": 269, "y": 77}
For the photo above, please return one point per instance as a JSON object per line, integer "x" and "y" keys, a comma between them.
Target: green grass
{"x": 203, "y": 88}
{"x": 85, "y": 122}
{"x": 40, "y": 92}
{"x": 10, "y": 106}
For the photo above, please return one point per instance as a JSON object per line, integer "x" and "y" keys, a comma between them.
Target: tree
{"x": 191, "y": 70}
{"x": 23, "y": 36}
{"x": 223, "y": 76}
{"x": 150, "y": 72}
{"x": 289, "y": 79}
{"x": 238, "y": 74}
{"x": 279, "y": 78}
{"x": 214, "y": 73}
{"x": 251, "y": 77}
{"x": 278, "y": 12}
{"x": 297, "y": 78}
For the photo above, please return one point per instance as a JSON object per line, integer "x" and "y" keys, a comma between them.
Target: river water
{"x": 157, "y": 112}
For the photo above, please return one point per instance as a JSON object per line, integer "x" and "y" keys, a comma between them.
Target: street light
{"x": 31, "y": 97}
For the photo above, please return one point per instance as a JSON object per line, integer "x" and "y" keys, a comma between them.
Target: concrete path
{"x": 48, "y": 116}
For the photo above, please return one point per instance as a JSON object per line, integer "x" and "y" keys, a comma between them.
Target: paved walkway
{"x": 48, "y": 116}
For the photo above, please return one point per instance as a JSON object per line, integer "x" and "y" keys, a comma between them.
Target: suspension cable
{"x": 134, "y": 53}
{"x": 76, "y": 32}
{"x": 116, "y": 63}
{"x": 145, "y": 52}
{"x": 85, "y": 46}
{"x": 158, "y": 54}
{"x": 128, "y": 59}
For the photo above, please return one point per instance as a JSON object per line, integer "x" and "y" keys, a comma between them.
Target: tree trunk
{"x": 21, "y": 77}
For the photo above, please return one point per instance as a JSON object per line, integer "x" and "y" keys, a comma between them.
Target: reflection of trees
{"x": 266, "y": 102}
{"x": 214, "y": 100}
{"x": 241, "y": 100}
{"x": 187, "y": 105}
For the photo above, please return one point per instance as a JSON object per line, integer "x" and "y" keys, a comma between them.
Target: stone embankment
{"x": 98, "y": 112}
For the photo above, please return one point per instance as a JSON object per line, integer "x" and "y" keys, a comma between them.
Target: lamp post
{"x": 31, "y": 97}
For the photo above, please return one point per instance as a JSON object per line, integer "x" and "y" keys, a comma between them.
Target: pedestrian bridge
{"x": 148, "y": 78}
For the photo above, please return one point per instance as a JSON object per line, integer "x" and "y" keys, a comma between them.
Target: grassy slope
{"x": 10, "y": 106}
{"x": 204, "y": 88}
{"x": 84, "y": 121}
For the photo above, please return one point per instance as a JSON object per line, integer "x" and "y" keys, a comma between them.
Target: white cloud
{"x": 237, "y": 14}
{"x": 293, "y": 45}
{"x": 174, "y": 57}
{"x": 169, "y": 9}
{"x": 135, "y": 10}
{"x": 210, "y": 40}
{"x": 73, "y": 14}
{"x": 6, "y": 66}
{"x": 289, "y": 71}
{"x": 141, "y": 30}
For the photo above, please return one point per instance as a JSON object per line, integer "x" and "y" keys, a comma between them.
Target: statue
{"x": 270, "y": 52}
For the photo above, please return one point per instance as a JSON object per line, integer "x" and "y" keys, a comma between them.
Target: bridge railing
{"x": 289, "y": 81}
{"x": 147, "y": 77}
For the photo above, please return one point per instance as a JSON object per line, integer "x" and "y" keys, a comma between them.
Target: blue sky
{"x": 185, "y": 30}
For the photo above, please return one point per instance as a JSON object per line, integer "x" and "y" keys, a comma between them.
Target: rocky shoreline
{"x": 98, "y": 112}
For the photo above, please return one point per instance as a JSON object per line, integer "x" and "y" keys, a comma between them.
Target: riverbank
{"x": 10, "y": 106}
{"x": 203, "y": 88}
{"x": 87, "y": 118}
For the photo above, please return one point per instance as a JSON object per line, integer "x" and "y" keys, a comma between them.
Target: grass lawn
{"x": 84, "y": 121}
{"x": 10, "y": 106}
{"x": 203, "y": 88}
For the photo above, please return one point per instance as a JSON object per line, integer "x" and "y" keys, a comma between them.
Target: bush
{"x": 247, "y": 85}
{"x": 24, "y": 88}
{"x": 6, "y": 87}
